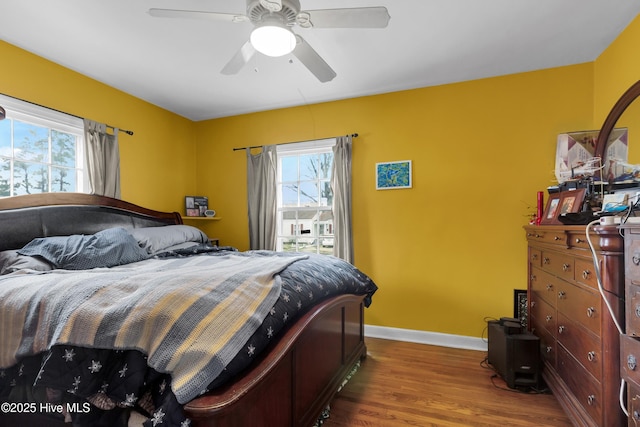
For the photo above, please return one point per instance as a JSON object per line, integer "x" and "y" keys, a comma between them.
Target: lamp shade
{"x": 273, "y": 40}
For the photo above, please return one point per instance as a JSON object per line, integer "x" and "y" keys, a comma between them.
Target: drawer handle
{"x": 549, "y": 318}
{"x": 579, "y": 240}
{"x": 637, "y": 310}
{"x": 586, "y": 274}
{"x": 561, "y": 295}
{"x": 549, "y": 348}
{"x": 561, "y": 329}
{"x": 565, "y": 267}
{"x": 631, "y": 362}
{"x": 591, "y": 356}
{"x": 636, "y": 415}
{"x": 533, "y": 304}
{"x": 591, "y": 311}
{"x": 591, "y": 400}
{"x": 534, "y": 257}
{"x": 549, "y": 286}
{"x": 636, "y": 259}
{"x": 545, "y": 260}
{"x": 538, "y": 235}
{"x": 556, "y": 238}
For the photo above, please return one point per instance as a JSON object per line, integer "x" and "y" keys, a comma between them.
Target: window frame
{"x": 300, "y": 149}
{"x": 37, "y": 115}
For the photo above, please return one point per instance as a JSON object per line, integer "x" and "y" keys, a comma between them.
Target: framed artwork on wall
{"x": 393, "y": 175}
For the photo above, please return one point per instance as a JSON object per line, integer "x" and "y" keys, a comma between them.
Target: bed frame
{"x": 290, "y": 384}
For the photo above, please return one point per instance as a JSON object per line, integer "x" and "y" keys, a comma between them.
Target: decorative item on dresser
{"x": 579, "y": 339}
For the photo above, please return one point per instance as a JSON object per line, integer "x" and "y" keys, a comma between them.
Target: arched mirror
{"x": 626, "y": 114}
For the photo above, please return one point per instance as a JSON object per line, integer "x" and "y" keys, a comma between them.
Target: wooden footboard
{"x": 297, "y": 378}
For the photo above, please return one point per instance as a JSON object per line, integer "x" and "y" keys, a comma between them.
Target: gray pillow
{"x": 158, "y": 239}
{"x": 106, "y": 248}
{"x": 11, "y": 261}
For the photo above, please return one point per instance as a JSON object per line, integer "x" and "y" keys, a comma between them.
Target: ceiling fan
{"x": 272, "y": 35}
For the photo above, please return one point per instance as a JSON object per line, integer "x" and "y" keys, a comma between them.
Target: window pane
{"x": 63, "y": 149}
{"x": 63, "y": 179}
{"x": 289, "y": 195}
{"x": 5, "y": 138}
{"x": 326, "y": 194}
{"x": 30, "y": 178}
{"x": 5, "y": 177}
{"x": 290, "y": 168}
{"x": 309, "y": 193}
{"x": 326, "y": 163}
{"x": 31, "y": 142}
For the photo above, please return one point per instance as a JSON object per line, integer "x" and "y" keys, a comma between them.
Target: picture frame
{"x": 196, "y": 205}
{"x": 520, "y": 306}
{"x": 393, "y": 175}
{"x": 571, "y": 201}
{"x": 551, "y": 210}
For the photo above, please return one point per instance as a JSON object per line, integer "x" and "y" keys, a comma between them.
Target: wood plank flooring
{"x": 407, "y": 384}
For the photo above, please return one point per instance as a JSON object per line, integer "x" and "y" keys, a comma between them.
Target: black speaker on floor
{"x": 514, "y": 353}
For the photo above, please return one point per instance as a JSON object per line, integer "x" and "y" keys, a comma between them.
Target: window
{"x": 305, "y": 221}
{"x": 41, "y": 150}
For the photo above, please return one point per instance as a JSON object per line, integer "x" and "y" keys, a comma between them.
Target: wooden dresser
{"x": 579, "y": 340}
{"x": 630, "y": 343}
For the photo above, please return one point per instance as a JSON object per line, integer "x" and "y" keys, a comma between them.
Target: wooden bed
{"x": 290, "y": 384}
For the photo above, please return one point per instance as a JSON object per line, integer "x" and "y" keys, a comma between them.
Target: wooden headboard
{"x": 24, "y": 218}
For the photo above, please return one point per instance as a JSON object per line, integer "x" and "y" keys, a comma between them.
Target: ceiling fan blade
{"x": 314, "y": 62}
{"x": 240, "y": 59}
{"x": 195, "y": 14}
{"x": 359, "y": 17}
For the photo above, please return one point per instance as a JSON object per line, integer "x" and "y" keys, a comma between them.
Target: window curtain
{"x": 341, "y": 186}
{"x": 261, "y": 192}
{"x": 102, "y": 156}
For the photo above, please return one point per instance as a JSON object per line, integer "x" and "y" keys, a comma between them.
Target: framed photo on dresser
{"x": 571, "y": 201}
{"x": 551, "y": 210}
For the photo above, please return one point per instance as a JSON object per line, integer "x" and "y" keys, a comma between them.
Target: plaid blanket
{"x": 189, "y": 315}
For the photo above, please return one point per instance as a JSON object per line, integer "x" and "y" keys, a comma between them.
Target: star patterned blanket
{"x": 117, "y": 359}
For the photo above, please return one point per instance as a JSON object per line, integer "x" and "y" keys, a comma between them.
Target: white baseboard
{"x": 423, "y": 337}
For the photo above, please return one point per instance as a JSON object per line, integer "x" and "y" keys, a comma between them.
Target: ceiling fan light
{"x": 273, "y": 40}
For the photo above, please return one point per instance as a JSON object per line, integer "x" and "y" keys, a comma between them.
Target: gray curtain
{"x": 341, "y": 186}
{"x": 102, "y": 156}
{"x": 262, "y": 199}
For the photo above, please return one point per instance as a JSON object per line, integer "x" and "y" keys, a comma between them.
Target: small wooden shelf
{"x": 201, "y": 218}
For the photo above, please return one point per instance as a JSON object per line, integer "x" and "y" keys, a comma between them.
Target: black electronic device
{"x": 514, "y": 353}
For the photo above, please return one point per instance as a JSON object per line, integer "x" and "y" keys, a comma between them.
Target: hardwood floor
{"x": 407, "y": 384}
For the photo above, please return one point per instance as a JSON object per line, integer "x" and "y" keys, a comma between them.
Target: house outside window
{"x": 41, "y": 150}
{"x": 305, "y": 220}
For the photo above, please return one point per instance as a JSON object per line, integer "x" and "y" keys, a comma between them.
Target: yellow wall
{"x": 156, "y": 162}
{"x": 448, "y": 252}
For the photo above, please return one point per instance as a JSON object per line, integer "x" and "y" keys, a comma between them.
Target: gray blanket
{"x": 189, "y": 315}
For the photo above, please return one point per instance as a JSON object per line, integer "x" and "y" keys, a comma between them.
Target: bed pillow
{"x": 106, "y": 248}
{"x": 11, "y": 261}
{"x": 157, "y": 239}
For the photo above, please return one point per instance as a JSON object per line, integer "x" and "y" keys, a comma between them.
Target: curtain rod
{"x": 128, "y": 132}
{"x": 353, "y": 135}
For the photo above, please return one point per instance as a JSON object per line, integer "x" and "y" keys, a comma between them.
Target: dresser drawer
{"x": 559, "y": 264}
{"x": 586, "y": 389}
{"x": 630, "y": 358}
{"x": 547, "y": 341}
{"x": 544, "y": 313}
{"x": 633, "y": 403}
{"x": 544, "y": 285}
{"x": 632, "y": 310}
{"x": 580, "y": 305}
{"x": 582, "y": 344}
{"x": 632, "y": 256}
{"x": 535, "y": 257}
{"x": 586, "y": 273}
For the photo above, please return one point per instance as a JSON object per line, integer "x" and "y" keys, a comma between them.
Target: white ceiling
{"x": 176, "y": 63}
